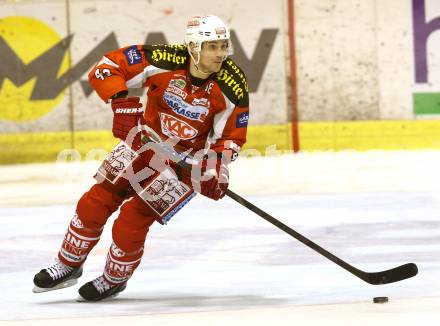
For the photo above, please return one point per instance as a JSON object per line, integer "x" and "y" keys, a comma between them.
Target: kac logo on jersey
{"x": 173, "y": 127}
{"x": 242, "y": 120}
{"x": 184, "y": 109}
{"x": 133, "y": 55}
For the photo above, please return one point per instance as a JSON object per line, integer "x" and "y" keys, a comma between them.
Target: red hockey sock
{"x": 120, "y": 265}
{"x": 84, "y": 231}
{"x": 77, "y": 243}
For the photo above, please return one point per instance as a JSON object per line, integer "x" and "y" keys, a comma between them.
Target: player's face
{"x": 212, "y": 55}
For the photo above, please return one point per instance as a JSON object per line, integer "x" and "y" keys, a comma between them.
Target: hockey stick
{"x": 384, "y": 277}
{"x": 389, "y": 276}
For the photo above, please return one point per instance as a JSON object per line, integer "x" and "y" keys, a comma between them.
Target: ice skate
{"x": 56, "y": 277}
{"x": 99, "y": 289}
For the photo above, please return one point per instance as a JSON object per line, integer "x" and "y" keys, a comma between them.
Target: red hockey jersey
{"x": 213, "y": 115}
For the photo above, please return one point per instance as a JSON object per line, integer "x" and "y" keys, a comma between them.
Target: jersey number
{"x": 101, "y": 75}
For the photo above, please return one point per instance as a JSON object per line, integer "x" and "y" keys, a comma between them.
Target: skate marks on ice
{"x": 231, "y": 259}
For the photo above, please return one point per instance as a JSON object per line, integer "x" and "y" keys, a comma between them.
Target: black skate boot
{"x": 100, "y": 289}
{"x": 56, "y": 277}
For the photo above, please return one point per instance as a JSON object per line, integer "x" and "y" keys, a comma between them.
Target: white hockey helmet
{"x": 201, "y": 29}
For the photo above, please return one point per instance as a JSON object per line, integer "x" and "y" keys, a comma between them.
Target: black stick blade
{"x": 392, "y": 275}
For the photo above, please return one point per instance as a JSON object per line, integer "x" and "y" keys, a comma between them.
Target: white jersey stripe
{"x": 219, "y": 124}
{"x": 139, "y": 80}
{"x": 107, "y": 61}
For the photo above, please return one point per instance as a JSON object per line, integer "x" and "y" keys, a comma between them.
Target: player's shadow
{"x": 161, "y": 302}
{"x": 191, "y": 301}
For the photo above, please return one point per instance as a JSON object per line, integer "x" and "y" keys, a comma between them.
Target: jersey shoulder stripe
{"x": 169, "y": 57}
{"x": 233, "y": 83}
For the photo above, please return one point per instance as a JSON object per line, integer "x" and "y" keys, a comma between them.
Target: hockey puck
{"x": 380, "y": 299}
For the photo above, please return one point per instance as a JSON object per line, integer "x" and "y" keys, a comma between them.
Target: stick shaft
{"x": 291, "y": 232}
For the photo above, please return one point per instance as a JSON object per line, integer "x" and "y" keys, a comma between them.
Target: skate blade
{"x": 81, "y": 299}
{"x": 63, "y": 285}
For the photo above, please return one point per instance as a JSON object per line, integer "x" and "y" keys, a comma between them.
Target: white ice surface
{"x": 217, "y": 263}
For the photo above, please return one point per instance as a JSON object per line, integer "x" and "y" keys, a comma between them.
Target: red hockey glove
{"x": 214, "y": 179}
{"x": 127, "y": 112}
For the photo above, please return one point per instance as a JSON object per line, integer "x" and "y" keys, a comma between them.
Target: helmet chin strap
{"x": 196, "y": 63}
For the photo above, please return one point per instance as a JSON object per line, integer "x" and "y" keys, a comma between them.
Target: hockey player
{"x": 197, "y": 100}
